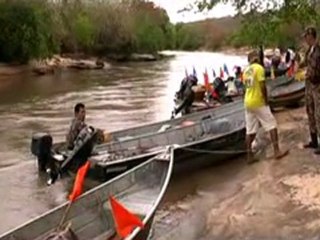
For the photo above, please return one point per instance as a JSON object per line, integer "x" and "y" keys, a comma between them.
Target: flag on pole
{"x": 125, "y": 220}
{"x": 194, "y": 72}
{"x": 225, "y": 68}
{"x": 206, "y": 80}
{"x": 214, "y": 73}
{"x": 186, "y": 72}
{"x": 78, "y": 183}
{"x": 221, "y": 73}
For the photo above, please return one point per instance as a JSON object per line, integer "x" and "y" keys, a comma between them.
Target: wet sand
{"x": 272, "y": 199}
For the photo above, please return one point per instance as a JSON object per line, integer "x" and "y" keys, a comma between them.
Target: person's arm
{"x": 260, "y": 75}
{"x": 73, "y": 133}
{"x": 264, "y": 91}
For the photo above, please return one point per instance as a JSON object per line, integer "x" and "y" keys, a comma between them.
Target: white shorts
{"x": 259, "y": 116}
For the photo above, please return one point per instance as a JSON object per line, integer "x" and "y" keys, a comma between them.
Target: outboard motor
{"x": 41, "y": 145}
{"x": 82, "y": 150}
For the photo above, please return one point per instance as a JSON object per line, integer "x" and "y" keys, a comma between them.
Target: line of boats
{"x": 136, "y": 165}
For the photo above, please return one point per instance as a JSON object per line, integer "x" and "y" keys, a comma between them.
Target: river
{"x": 118, "y": 97}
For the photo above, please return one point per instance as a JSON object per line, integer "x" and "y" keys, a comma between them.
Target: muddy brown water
{"x": 124, "y": 95}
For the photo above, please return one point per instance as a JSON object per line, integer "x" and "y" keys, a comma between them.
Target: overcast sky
{"x": 173, "y": 6}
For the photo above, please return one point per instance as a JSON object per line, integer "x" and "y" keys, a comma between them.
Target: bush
{"x": 26, "y": 32}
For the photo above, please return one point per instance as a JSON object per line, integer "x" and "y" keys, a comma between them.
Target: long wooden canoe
{"x": 140, "y": 190}
{"x": 215, "y": 129}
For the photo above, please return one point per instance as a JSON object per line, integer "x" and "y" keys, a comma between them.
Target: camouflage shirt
{"x": 312, "y": 59}
{"x": 75, "y": 128}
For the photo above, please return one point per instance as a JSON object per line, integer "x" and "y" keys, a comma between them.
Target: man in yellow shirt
{"x": 257, "y": 111}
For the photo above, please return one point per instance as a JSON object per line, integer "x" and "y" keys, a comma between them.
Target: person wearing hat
{"x": 312, "y": 62}
{"x": 257, "y": 111}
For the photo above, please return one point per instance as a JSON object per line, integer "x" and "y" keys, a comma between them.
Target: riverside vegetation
{"x": 37, "y": 29}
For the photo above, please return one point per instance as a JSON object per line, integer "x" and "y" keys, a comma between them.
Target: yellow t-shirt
{"x": 252, "y": 76}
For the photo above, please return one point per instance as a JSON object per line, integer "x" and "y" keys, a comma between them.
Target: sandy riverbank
{"x": 268, "y": 200}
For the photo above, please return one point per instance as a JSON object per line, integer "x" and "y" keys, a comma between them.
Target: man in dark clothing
{"x": 186, "y": 95}
{"x": 77, "y": 124}
{"x": 312, "y": 61}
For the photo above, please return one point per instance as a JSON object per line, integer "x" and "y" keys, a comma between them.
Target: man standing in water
{"x": 312, "y": 60}
{"x": 77, "y": 124}
{"x": 257, "y": 112}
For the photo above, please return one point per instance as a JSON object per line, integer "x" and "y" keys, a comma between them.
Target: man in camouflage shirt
{"x": 77, "y": 124}
{"x": 312, "y": 61}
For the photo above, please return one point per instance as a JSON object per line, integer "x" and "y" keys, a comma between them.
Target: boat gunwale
{"x": 154, "y": 123}
{"x": 177, "y": 146}
{"x": 165, "y": 184}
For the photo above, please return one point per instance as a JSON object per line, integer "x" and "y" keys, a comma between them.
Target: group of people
{"x": 257, "y": 111}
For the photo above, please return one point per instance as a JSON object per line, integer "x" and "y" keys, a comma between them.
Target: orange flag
{"x": 290, "y": 72}
{"x": 78, "y": 183}
{"x": 125, "y": 220}
{"x": 206, "y": 81}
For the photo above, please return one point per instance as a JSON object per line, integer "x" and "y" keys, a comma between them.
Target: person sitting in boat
{"x": 186, "y": 95}
{"x": 221, "y": 90}
{"x": 77, "y": 124}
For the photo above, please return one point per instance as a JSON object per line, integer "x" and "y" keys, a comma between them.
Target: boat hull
{"x": 189, "y": 157}
{"x": 140, "y": 190}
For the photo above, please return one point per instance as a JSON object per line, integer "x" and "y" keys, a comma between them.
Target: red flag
{"x": 78, "y": 183}
{"x": 221, "y": 73}
{"x": 290, "y": 72}
{"x": 125, "y": 220}
{"x": 206, "y": 81}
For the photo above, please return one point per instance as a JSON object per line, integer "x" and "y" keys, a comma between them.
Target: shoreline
{"x": 76, "y": 61}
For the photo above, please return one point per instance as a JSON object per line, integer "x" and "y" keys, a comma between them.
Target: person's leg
{"x": 278, "y": 154}
{"x": 252, "y": 126}
{"x": 310, "y": 109}
{"x": 316, "y": 114}
{"x": 249, "y": 140}
{"x": 269, "y": 123}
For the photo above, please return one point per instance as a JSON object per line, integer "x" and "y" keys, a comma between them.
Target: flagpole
{"x": 65, "y": 214}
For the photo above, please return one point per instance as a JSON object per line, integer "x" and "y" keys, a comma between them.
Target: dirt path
{"x": 268, "y": 200}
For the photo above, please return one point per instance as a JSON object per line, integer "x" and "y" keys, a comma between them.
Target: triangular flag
{"x": 125, "y": 221}
{"x": 194, "y": 72}
{"x": 225, "y": 68}
{"x": 186, "y": 72}
{"x": 78, "y": 183}
{"x": 214, "y": 73}
{"x": 206, "y": 81}
{"x": 221, "y": 73}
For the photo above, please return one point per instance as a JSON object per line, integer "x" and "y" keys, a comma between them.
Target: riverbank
{"x": 77, "y": 62}
{"x": 268, "y": 200}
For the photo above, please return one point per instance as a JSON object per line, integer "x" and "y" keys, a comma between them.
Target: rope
{"x": 231, "y": 152}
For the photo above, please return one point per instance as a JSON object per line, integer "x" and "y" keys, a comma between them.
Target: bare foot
{"x": 282, "y": 154}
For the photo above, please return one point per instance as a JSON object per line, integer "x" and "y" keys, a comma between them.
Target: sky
{"x": 173, "y": 6}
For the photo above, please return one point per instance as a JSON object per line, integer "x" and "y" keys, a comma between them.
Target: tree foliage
{"x": 265, "y": 21}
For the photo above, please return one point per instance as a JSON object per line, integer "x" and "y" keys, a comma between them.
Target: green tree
{"x": 26, "y": 31}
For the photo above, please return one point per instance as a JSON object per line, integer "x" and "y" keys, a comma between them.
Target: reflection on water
{"x": 116, "y": 98}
